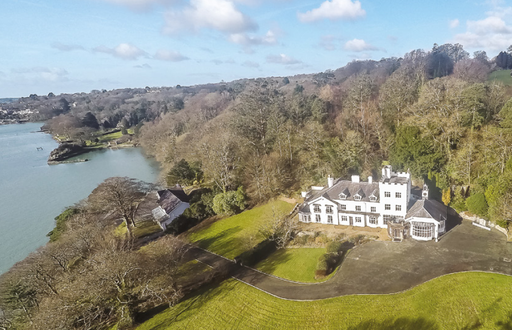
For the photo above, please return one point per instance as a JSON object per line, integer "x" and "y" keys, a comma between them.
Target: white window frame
{"x": 318, "y": 219}
{"x": 359, "y": 219}
{"x": 372, "y": 220}
{"x": 358, "y": 208}
{"x": 387, "y": 207}
{"x": 316, "y": 208}
{"x": 328, "y": 209}
{"x": 343, "y": 206}
{"x": 329, "y": 219}
{"x": 373, "y": 209}
{"x": 398, "y": 194}
{"x": 344, "y": 218}
{"x": 387, "y": 194}
{"x": 398, "y": 207}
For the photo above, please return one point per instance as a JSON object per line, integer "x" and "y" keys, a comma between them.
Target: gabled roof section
{"x": 171, "y": 198}
{"x": 360, "y": 193}
{"x": 427, "y": 208}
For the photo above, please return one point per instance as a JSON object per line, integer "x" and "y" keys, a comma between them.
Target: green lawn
{"x": 460, "y": 301}
{"x": 110, "y": 137}
{"x": 144, "y": 228}
{"x": 293, "y": 264}
{"x": 231, "y": 236}
{"x": 503, "y": 76}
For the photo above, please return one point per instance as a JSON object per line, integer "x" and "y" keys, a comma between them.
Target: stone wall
{"x": 486, "y": 223}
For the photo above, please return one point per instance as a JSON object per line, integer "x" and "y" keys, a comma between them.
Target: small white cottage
{"x": 171, "y": 204}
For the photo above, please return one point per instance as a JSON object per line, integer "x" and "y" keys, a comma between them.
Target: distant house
{"x": 171, "y": 204}
{"x": 388, "y": 203}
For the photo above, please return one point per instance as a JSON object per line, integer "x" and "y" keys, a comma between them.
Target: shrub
{"x": 334, "y": 247}
{"x": 60, "y": 223}
{"x": 322, "y": 239}
{"x": 301, "y": 240}
{"x": 230, "y": 202}
{"x": 477, "y": 204}
{"x": 458, "y": 202}
{"x": 357, "y": 239}
{"x": 326, "y": 263}
{"x": 447, "y": 196}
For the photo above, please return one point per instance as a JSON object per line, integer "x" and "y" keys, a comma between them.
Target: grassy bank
{"x": 231, "y": 236}
{"x": 460, "y": 301}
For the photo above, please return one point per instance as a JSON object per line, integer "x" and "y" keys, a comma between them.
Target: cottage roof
{"x": 169, "y": 199}
{"x": 426, "y": 208}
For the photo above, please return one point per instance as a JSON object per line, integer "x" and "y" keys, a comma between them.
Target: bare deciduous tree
{"x": 279, "y": 229}
{"x": 121, "y": 195}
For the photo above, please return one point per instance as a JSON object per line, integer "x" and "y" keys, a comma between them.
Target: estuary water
{"x": 33, "y": 193}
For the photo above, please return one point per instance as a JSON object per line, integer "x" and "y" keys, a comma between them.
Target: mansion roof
{"x": 349, "y": 189}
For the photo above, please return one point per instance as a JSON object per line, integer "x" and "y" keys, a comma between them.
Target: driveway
{"x": 386, "y": 267}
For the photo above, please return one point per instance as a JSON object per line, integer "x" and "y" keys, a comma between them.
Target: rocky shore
{"x": 65, "y": 151}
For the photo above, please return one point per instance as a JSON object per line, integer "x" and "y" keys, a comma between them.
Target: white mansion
{"x": 387, "y": 203}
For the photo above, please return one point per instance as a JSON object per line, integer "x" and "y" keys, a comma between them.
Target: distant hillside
{"x": 8, "y": 100}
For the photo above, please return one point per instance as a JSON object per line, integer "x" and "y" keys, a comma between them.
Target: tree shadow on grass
{"x": 507, "y": 324}
{"x": 209, "y": 242}
{"x": 270, "y": 264}
{"x": 402, "y": 323}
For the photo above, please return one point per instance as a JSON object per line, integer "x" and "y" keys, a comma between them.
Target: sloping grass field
{"x": 231, "y": 236}
{"x": 459, "y": 301}
{"x": 503, "y": 76}
{"x": 297, "y": 265}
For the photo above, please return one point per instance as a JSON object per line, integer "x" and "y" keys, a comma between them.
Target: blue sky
{"x": 66, "y": 46}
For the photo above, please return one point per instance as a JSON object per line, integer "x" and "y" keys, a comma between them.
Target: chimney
{"x": 355, "y": 178}
{"x": 388, "y": 171}
{"x": 330, "y": 181}
{"x": 370, "y": 179}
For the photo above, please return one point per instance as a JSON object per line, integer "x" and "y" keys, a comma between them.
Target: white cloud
{"x": 169, "y": 55}
{"x": 50, "y": 74}
{"x": 282, "y": 59}
{"x": 220, "y": 15}
{"x": 125, "y": 51}
{"x": 141, "y": 4}
{"x": 359, "y": 45}
{"x": 454, "y": 23}
{"x": 269, "y": 38}
{"x": 334, "y": 10}
{"x": 491, "y": 33}
{"x": 66, "y": 47}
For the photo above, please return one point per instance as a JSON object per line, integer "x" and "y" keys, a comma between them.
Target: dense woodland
{"x": 434, "y": 113}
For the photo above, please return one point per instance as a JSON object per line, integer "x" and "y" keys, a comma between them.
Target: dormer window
{"x": 373, "y": 198}
{"x": 342, "y": 196}
{"x": 357, "y": 197}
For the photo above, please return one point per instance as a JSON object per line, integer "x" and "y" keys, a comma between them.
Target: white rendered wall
{"x": 176, "y": 213}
